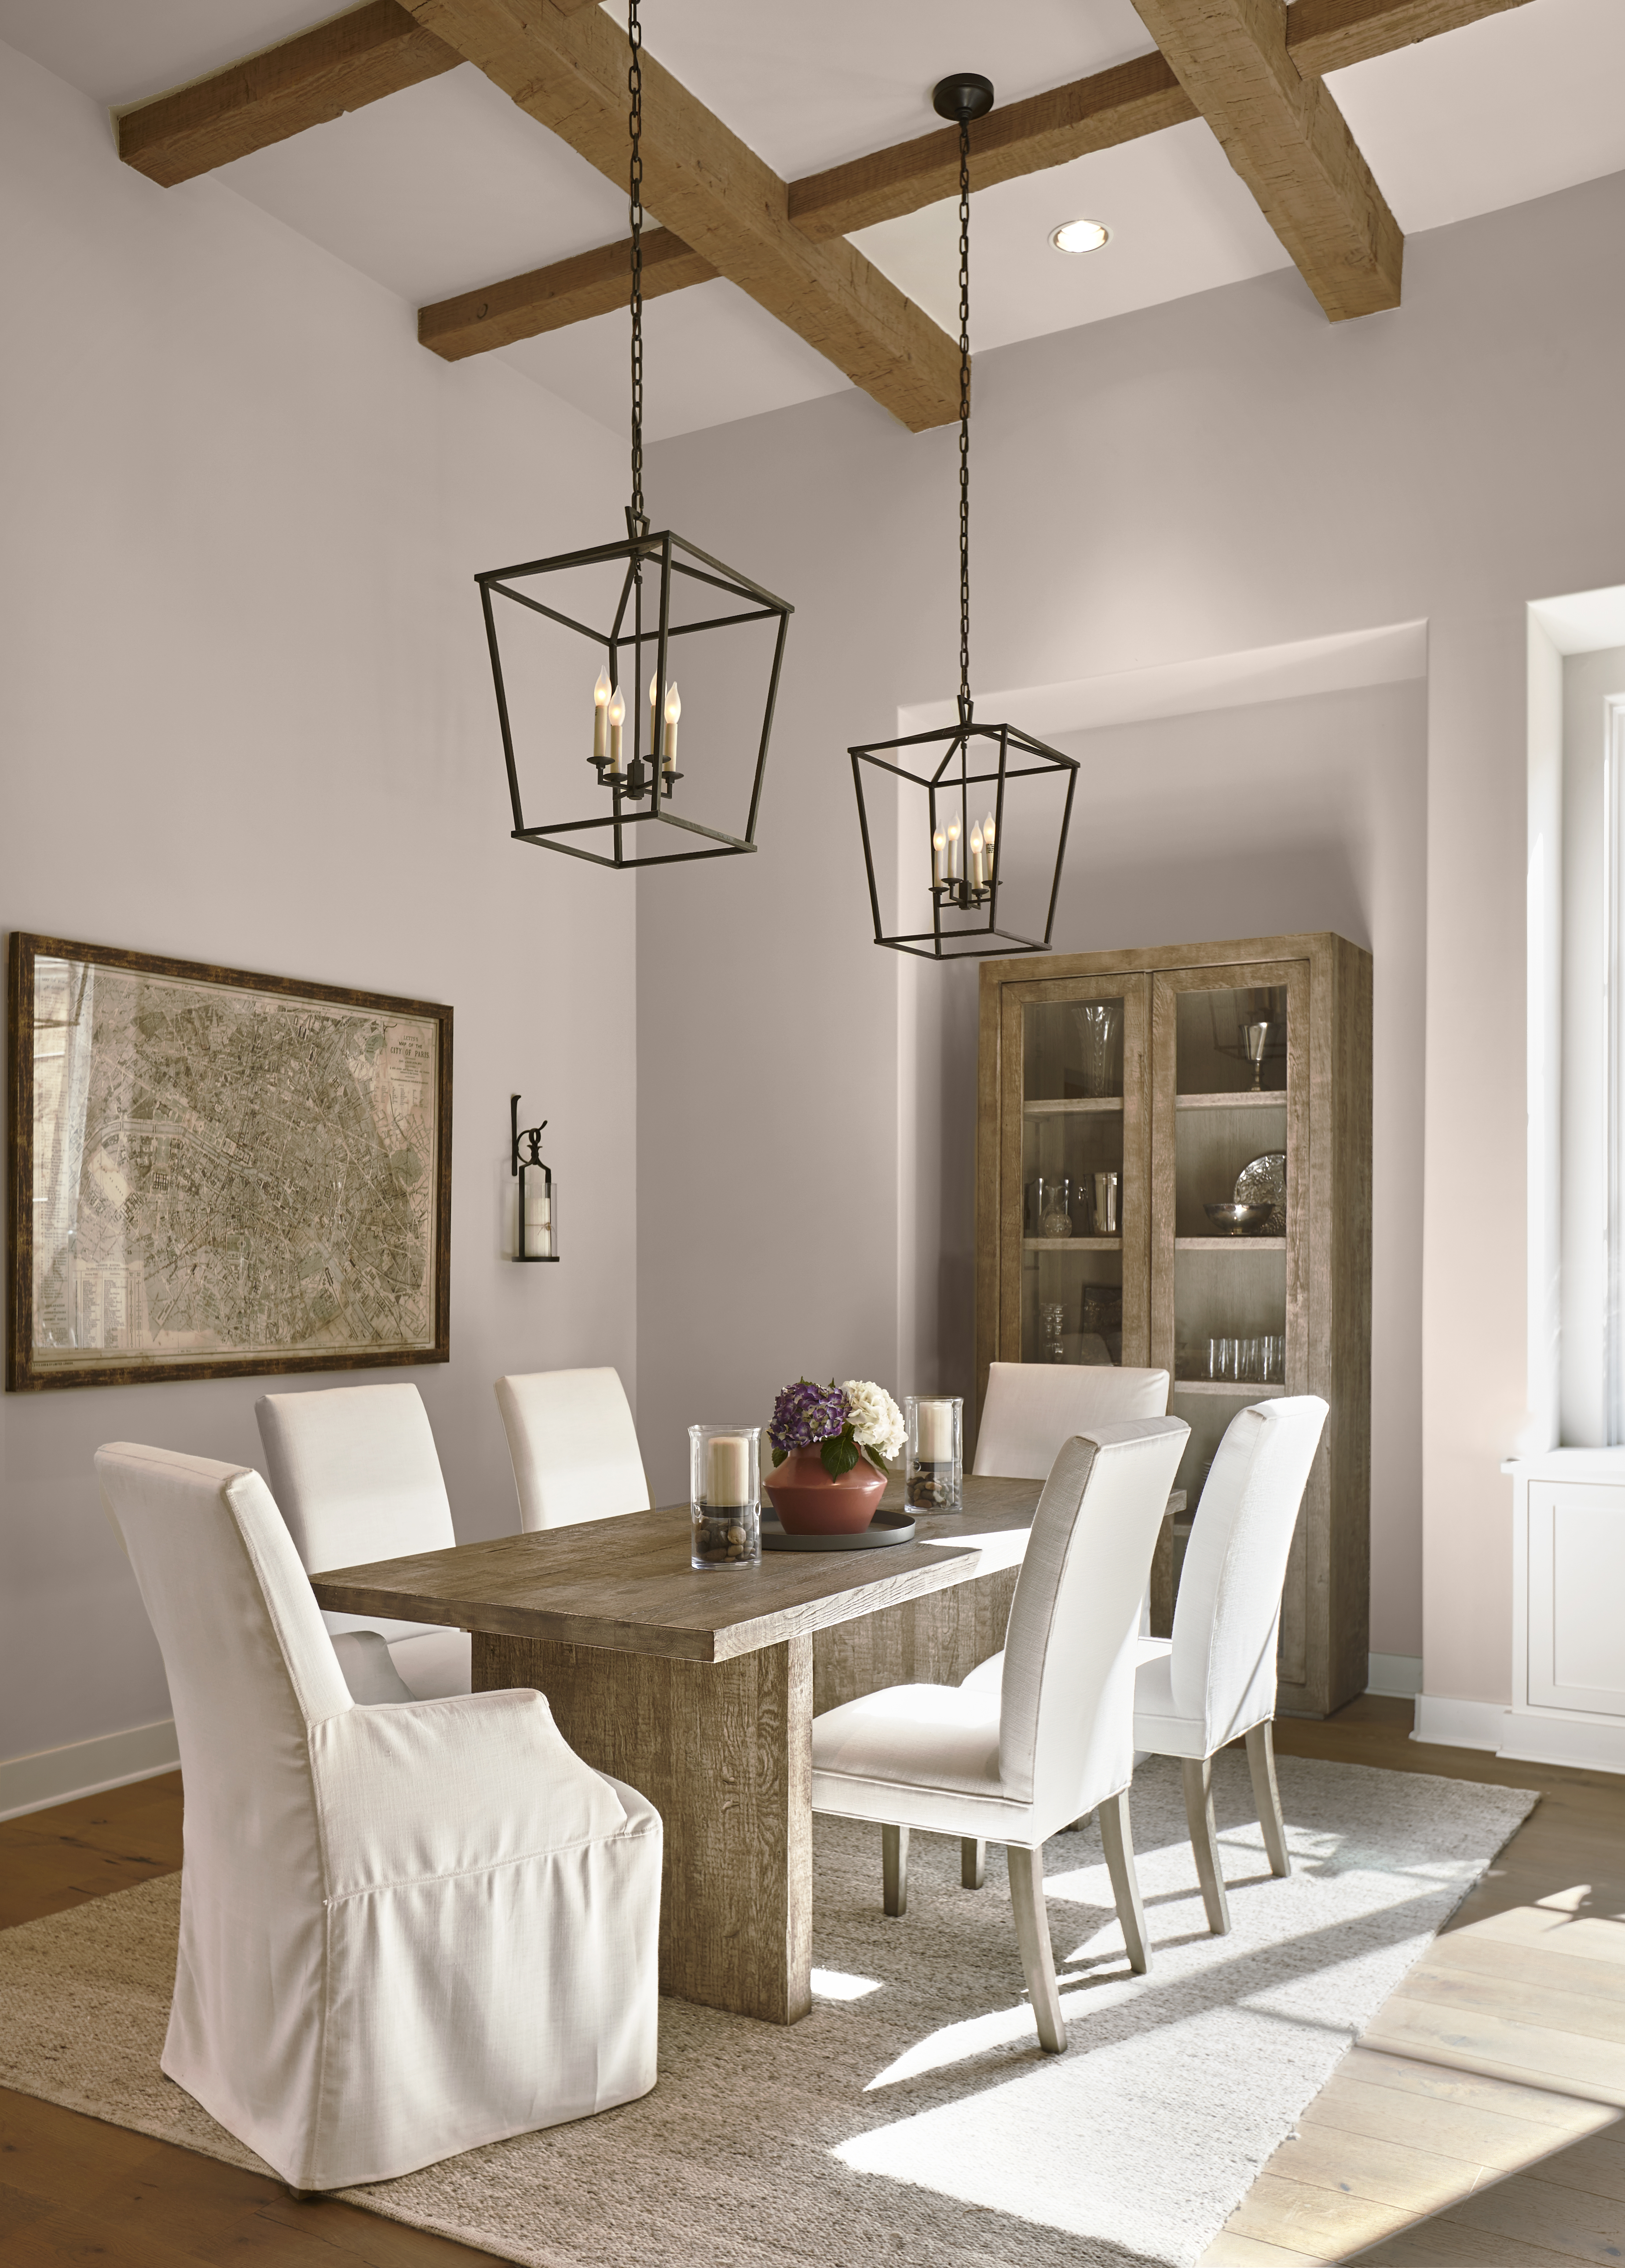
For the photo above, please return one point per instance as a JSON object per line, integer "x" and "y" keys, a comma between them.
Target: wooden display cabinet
{"x": 1135, "y": 1064}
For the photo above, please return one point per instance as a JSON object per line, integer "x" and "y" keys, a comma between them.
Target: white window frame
{"x": 1613, "y": 1025}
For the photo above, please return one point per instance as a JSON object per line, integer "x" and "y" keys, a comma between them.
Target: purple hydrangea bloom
{"x": 805, "y": 1414}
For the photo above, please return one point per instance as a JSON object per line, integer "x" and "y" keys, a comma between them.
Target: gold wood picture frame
{"x": 215, "y": 1174}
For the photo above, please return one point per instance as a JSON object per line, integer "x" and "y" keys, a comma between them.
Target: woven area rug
{"x": 910, "y": 2117}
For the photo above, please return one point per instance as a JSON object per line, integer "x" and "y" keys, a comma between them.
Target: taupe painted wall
{"x": 246, "y": 716}
{"x": 1224, "y": 474}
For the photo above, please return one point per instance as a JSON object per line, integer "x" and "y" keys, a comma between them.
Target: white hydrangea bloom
{"x": 876, "y": 1421}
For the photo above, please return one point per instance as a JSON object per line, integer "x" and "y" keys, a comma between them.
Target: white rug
{"x": 910, "y": 2117}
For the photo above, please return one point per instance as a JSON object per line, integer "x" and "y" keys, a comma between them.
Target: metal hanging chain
{"x": 964, "y": 417}
{"x": 634, "y": 82}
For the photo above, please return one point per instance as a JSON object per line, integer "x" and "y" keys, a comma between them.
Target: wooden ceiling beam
{"x": 550, "y": 299}
{"x": 1327, "y": 36}
{"x": 1141, "y": 97}
{"x": 568, "y": 71}
{"x": 1288, "y": 141}
{"x": 1064, "y": 122}
{"x": 342, "y": 64}
{"x": 335, "y": 67}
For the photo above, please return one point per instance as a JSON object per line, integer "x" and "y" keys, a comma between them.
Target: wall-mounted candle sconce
{"x": 538, "y": 1222}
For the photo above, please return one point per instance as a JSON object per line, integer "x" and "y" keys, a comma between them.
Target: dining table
{"x": 698, "y": 1688}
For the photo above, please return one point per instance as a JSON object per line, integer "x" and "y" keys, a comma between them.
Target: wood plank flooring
{"x": 1480, "y": 2123}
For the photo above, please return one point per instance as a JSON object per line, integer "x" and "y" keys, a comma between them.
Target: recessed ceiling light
{"x": 1080, "y": 236}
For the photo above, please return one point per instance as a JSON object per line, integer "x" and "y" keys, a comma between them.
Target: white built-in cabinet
{"x": 1568, "y": 1610}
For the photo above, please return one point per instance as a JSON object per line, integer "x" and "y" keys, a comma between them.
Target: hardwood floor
{"x": 1478, "y": 2125}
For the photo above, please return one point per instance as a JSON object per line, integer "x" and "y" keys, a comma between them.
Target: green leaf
{"x": 877, "y": 1461}
{"x": 779, "y": 1455}
{"x": 838, "y": 1455}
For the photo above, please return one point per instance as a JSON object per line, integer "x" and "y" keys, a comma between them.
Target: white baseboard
{"x": 1399, "y": 1674}
{"x": 1532, "y": 1738}
{"x": 86, "y": 1768}
{"x": 1460, "y": 1724}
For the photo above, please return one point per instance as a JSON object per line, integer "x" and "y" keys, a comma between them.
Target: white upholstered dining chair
{"x": 1214, "y": 1679}
{"x": 355, "y": 1475}
{"x": 1030, "y": 1408}
{"x": 574, "y": 1447}
{"x": 1055, "y": 1738}
{"x": 404, "y": 1931}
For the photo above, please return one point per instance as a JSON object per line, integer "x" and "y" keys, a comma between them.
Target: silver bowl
{"x": 1237, "y": 1220}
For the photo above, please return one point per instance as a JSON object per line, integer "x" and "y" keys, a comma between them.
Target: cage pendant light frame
{"x": 656, "y": 564}
{"x": 971, "y": 756}
{"x": 643, "y": 793}
{"x": 947, "y": 766}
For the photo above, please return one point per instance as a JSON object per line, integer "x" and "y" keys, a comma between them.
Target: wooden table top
{"x": 626, "y": 1583}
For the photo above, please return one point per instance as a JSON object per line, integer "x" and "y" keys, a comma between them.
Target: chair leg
{"x": 1266, "y": 1795}
{"x": 1032, "y": 1934}
{"x": 1205, "y": 1843}
{"x": 1118, "y": 1840}
{"x": 894, "y": 1870}
{"x": 973, "y": 1862}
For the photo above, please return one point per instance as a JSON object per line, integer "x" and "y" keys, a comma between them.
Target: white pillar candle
{"x": 953, "y": 850}
{"x": 538, "y": 1217}
{"x": 977, "y": 877}
{"x": 933, "y": 1432}
{"x": 617, "y": 718}
{"x": 937, "y": 841}
{"x": 727, "y": 1469}
{"x": 600, "y": 701}
{"x": 673, "y": 709}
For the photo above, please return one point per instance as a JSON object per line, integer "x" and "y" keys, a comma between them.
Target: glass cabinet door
{"x": 1230, "y": 1152}
{"x": 1073, "y": 1180}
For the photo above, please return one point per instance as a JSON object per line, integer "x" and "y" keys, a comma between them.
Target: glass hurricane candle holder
{"x": 725, "y": 1495}
{"x": 934, "y": 1468}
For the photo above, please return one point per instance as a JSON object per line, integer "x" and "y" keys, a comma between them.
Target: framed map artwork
{"x": 214, "y": 1174}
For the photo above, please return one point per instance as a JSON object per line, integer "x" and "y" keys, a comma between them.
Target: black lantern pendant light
{"x": 964, "y": 826}
{"x": 631, "y": 602}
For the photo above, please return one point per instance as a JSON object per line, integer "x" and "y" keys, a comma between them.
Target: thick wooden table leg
{"x": 723, "y": 1751}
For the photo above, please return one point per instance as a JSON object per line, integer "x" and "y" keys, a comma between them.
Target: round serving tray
{"x": 886, "y": 1528}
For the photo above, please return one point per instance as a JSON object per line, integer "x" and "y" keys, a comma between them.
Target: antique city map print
{"x": 227, "y": 1177}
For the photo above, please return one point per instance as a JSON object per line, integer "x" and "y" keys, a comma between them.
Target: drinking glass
{"x": 1099, "y": 1023}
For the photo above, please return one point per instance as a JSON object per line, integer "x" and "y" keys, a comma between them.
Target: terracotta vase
{"x": 809, "y": 1503}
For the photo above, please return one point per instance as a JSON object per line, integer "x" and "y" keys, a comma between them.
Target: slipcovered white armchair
{"x": 1055, "y": 1738}
{"x": 355, "y": 1475}
{"x": 1030, "y": 1408}
{"x": 1214, "y": 1679}
{"x": 574, "y": 1447}
{"x": 404, "y": 1931}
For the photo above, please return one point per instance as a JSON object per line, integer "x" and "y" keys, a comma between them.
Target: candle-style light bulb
{"x": 977, "y": 875}
{"x": 953, "y": 850}
{"x": 937, "y": 841}
{"x": 617, "y": 718}
{"x": 653, "y": 689}
{"x": 673, "y": 709}
{"x": 988, "y": 832}
{"x": 600, "y": 701}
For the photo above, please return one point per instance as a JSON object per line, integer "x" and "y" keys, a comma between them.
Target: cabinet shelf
{"x": 1230, "y": 1244}
{"x": 1244, "y": 1099}
{"x": 1071, "y": 1244}
{"x": 1073, "y": 1106}
{"x": 1253, "y": 1389}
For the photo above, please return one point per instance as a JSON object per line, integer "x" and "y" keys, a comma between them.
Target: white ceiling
{"x": 447, "y": 186}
